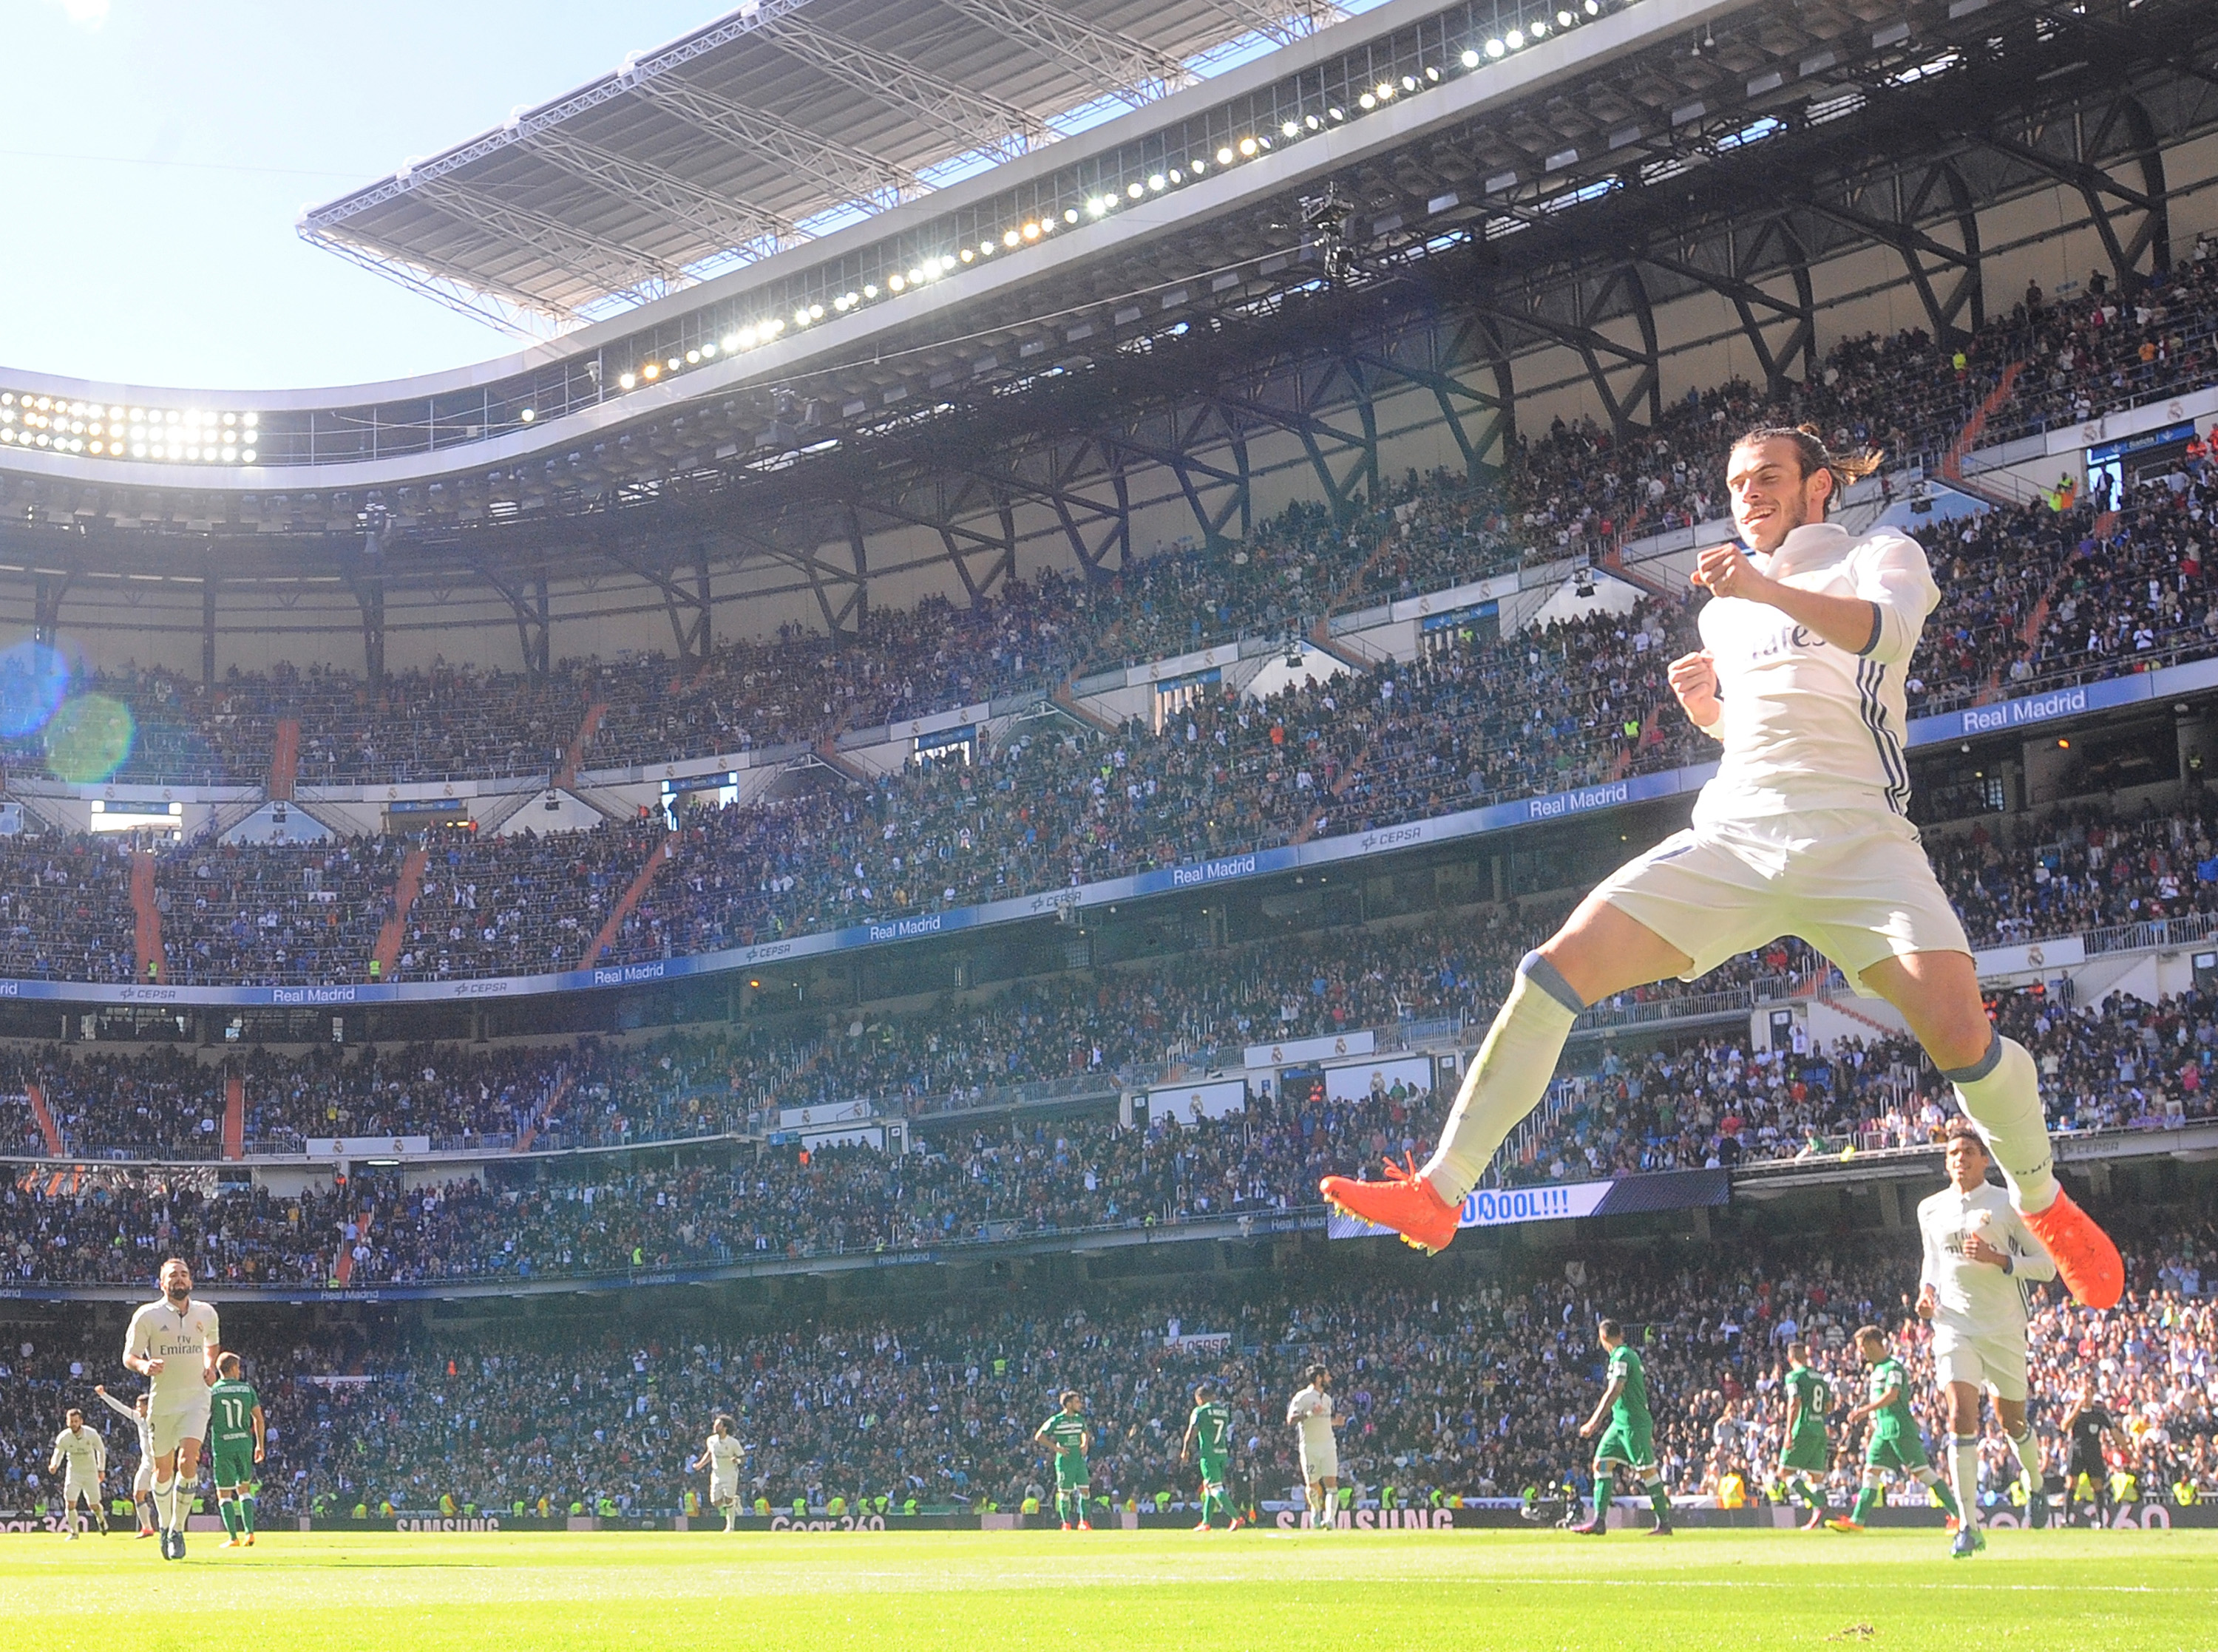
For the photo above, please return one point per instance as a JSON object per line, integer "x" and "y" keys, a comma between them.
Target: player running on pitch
{"x": 1979, "y": 1257}
{"x": 1805, "y": 643}
{"x": 1068, "y": 1436}
{"x": 173, "y": 1344}
{"x": 142, "y": 1478}
{"x": 1808, "y": 1450}
{"x": 723, "y": 1457}
{"x": 2089, "y": 1425}
{"x": 81, "y": 1458}
{"x": 1895, "y": 1445}
{"x": 1628, "y": 1442}
{"x": 1310, "y": 1411}
{"x": 1209, "y": 1436}
{"x": 238, "y": 1437}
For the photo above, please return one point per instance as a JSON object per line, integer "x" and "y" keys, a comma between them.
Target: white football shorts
{"x": 142, "y": 1482}
{"x": 1320, "y": 1461}
{"x": 173, "y": 1426}
{"x": 1856, "y": 885}
{"x": 1995, "y": 1363}
{"x": 722, "y": 1492}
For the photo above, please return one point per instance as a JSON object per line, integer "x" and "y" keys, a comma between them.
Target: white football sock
{"x": 2001, "y": 1094}
{"x": 2028, "y": 1455}
{"x": 162, "y": 1501}
{"x": 1508, "y": 1077}
{"x": 1964, "y": 1471}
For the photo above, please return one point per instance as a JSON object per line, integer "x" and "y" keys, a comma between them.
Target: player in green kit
{"x": 1808, "y": 1451}
{"x": 1068, "y": 1436}
{"x": 1895, "y": 1445}
{"x": 237, "y": 1435}
{"x": 1209, "y": 1436}
{"x": 1628, "y": 1442}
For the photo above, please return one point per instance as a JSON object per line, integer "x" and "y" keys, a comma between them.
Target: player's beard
{"x": 176, "y": 1295}
{"x": 1793, "y": 512}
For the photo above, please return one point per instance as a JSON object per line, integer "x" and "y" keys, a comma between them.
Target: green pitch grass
{"x": 2149, "y": 1591}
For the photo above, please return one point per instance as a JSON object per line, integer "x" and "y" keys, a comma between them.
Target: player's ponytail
{"x": 1809, "y": 444}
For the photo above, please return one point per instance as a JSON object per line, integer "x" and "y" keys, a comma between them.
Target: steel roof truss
{"x": 1118, "y": 64}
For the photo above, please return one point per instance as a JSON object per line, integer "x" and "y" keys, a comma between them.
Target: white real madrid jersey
{"x": 1807, "y": 725}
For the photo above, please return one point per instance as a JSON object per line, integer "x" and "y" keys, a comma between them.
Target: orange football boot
{"x": 1404, "y": 1201}
{"x": 2085, "y": 1258}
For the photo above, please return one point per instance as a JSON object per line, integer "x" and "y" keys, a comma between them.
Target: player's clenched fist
{"x": 1725, "y": 571}
{"x": 1694, "y": 680}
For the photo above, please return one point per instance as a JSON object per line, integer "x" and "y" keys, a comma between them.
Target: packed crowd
{"x": 1462, "y": 1386}
{"x": 977, "y": 1171}
{"x": 2119, "y": 1064}
{"x": 1573, "y": 490}
{"x": 1126, "y": 1025}
{"x": 271, "y": 914}
{"x": 521, "y": 904}
{"x": 2031, "y": 596}
{"x": 2096, "y": 348}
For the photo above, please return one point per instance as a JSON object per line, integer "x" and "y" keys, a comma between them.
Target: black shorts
{"x": 2091, "y": 1465}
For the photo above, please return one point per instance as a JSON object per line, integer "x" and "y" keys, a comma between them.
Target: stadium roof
{"x": 783, "y": 119}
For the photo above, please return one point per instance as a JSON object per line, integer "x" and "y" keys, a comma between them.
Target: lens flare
{"x": 33, "y": 678}
{"x": 89, "y": 738}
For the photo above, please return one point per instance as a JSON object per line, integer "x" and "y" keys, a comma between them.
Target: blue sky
{"x": 154, "y": 155}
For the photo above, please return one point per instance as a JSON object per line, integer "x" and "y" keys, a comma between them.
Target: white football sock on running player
{"x": 2001, "y": 1094}
{"x": 1508, "y": 1077}
{"x": 162, "y": 1502}
{"x": 1964, "y": 1471}
{"x": 2028, "y": 1455}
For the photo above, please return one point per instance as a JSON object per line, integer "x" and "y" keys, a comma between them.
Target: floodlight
{"x": 1495, "y": 48}
{"x": 1514, "y": 39}
{"x": 527, "y": 415}
{"x": 1247, "y": 146}
{"x": 1224, "y": 158}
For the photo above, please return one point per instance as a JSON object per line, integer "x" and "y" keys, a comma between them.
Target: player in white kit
{"x": 173, "y": 1344}
{"x": 1979, "y": 1257}
{"x": 1310, "y": 1411}
{"x": 1806, "y": 640}
{"x": 142, "y": 1479}
{"x": 81, "y": 1458}
{"x": 723, "y": 1457}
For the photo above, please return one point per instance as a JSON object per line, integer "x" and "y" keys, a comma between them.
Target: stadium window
{"x": 948, "y": 746}
{"x": 158, "y": 821}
